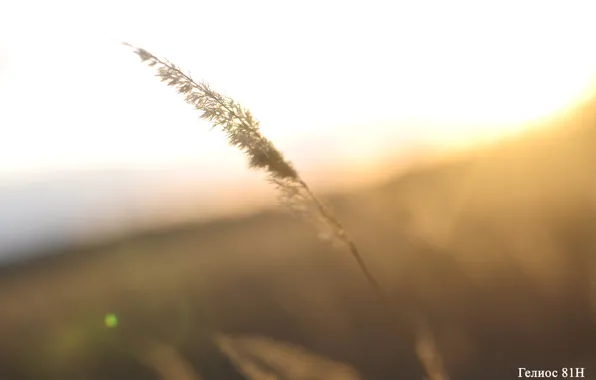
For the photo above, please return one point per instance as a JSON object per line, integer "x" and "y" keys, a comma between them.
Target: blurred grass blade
{"x": 260, "y": 358}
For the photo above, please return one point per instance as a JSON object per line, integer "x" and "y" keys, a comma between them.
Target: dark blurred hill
{"x": 496, "y": 247}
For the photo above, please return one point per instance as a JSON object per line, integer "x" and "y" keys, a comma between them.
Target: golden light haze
{"x": 335, "y": 84}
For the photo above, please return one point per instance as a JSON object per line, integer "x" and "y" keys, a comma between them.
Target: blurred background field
{"x": 496, "y": 247}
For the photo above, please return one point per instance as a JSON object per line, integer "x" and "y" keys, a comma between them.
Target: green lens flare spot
{"x": 110, "y": 320}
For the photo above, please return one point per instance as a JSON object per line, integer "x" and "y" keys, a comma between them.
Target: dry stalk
{"x": 243, "y": 132}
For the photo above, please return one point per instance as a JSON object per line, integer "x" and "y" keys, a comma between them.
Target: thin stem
{"x": 340, "y": 233}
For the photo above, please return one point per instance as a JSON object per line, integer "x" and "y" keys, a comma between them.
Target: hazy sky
{"x": 329, "y": 80}
{"x": 337, "y": 85}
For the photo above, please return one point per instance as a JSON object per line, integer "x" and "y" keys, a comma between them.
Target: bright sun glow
{"x": 332, "y": 82}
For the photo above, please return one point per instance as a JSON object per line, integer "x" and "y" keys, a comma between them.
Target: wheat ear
{"x": 243, "y": 132}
